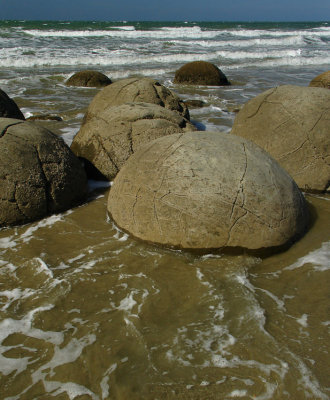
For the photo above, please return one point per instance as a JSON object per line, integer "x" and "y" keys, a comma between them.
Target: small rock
{"x": 88, "y": 79}
{"x": 201, "y": 73}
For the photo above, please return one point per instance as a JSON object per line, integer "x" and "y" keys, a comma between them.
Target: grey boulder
{"x": 292, "y": 124}
{"x": 39, "y": 175}
{"x": 110, "y": 136}
{"x": 205, "y": 190}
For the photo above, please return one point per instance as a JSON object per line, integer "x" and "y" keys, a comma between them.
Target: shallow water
{"x": 87, "y": 312}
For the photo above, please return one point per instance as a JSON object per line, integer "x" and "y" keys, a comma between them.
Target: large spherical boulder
{"x": 39, "y": 174}
{"x": 201, "y": 73}
{"x": 129, "y": 90}
{"x": 292, "y": 123}
{"x": 207, "y": 190}
{"x": 108, "y": 138}
{"x": 322, "y": 80}
{"x": 8, "y": 108}
{"x": 88, "y": 79}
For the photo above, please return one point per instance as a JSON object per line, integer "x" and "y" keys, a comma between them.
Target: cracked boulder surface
{"x": 88, "y": 78}
{"x": 129, "y": 90}
{"x": 201, "y": 73}
{"x": 322, "y": 80}
{"x": 8, "y": 108}
{"x": 39, "y": 174}
{"x": 292, "y": 124}
{"x": 207, "y": 190}
{"x": 108, "y": 138}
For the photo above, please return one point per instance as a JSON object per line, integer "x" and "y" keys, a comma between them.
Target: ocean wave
{"x": 286, "y": 41}
{"x": 228, "y": 58}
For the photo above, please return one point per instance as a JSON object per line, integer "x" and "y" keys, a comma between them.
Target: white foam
{"x": 303, "y": 320}
{"x": 46, "y": 222}
{"x": 10, "y": 326}
{"x": 237, "y": 393}
{"x": 7, "y": 242}
{"x": 320, "y": 259}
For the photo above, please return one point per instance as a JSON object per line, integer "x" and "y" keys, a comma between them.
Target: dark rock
{"x": 200, "y": 73}
{"x": 88, "y": 79}
{"x": 8, "y": 108}
{"x": 44, "y": 117}
{"x": 39, "y": 174}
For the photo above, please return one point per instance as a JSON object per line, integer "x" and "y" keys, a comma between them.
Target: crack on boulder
{"x": 15, "y": 200}
{"x": 240, "y": 185}
{"x": 130, "y": 139}
{"x": 125, "y": 86}
{"x": 8, "y": 126}
{"x": 134, "y": 204}
{"x": 295, "y": 150}
{"x": 97, "y": 138}
{"x": 136, "y": 96}
{"x": 234, "y": 224}
{"x": 156, "y": 215}
{"x": 47, "y": 185}
{"x": 262, "y": 102}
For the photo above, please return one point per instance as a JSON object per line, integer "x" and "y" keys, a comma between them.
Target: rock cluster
{"x": 39, "y": 175}
{"x": 292, "y": 123}
{"x": 203, "y": 190}
{"x": 112, "y": 134}
{"x": 129, "y": 90}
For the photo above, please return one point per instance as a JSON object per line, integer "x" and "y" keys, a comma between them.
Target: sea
{"x": 89, "y": 312}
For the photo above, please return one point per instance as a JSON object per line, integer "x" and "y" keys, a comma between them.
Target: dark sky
{"x": 167, "y": 10}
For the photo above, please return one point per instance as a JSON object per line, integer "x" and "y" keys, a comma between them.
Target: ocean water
{"x": 86, "y": 311}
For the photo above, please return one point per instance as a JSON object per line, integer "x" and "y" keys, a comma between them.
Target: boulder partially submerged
{"x": 206, "y": 190}
{"x": 88, "y": 78}
{"x": 200, "y": 73}
{"x": 129, "y": 90}
{"x": 39, "y": 175}
{"x": 322, "y": 80}
{"x": 110, "y": 136}
{"x": 292, "y": 124}
{"x": 8, "y": 108}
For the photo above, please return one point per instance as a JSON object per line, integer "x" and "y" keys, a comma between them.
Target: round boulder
{"x": 109, "y": 137}
{"x": 322, "y": 80}
{"x": 39, "y": 174}
{"x": 88, "y": 79}
{"x": 129, "y": 90}
{"x": 292, "y": 124}
{"x": 201, "y": 73}
{"x": 202, "y": 190}
{"x": 8, "y": 108}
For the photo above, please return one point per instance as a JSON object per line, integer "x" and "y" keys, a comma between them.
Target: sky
{"x": 167, "y": 10}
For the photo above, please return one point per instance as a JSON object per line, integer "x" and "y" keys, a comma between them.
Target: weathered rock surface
{"x": 8, "y": 108}
{"x": 110, "y": 136}
{"x": 322, "y": 80}
{"x": 39, "y": 175}
{"x": 88, "y": 78}
{"x": 207, "y": 190}
{"x": 292, "y": 123}
{"x": 201, "y": 73}
{"x": 129, "y": 90}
